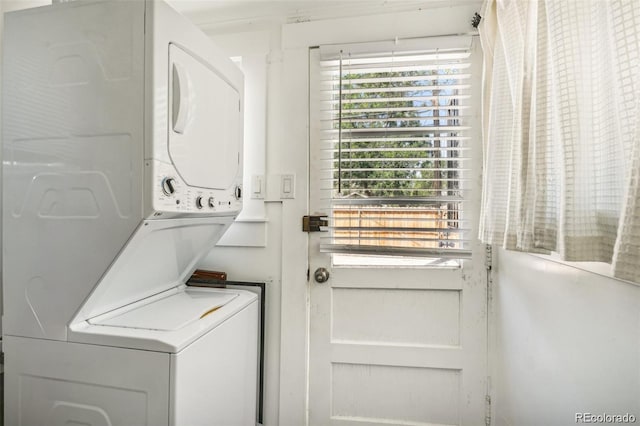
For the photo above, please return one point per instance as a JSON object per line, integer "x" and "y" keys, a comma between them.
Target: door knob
{"x": 321, "y": 275}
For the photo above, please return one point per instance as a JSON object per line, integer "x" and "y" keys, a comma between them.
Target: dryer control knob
{"x": 169, "y": 186}
{"x": 211, "y": 202}
{"x": 238, "y": 192}
{"x": 199, "y": 202}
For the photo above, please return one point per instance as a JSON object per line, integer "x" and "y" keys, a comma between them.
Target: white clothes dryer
{"x": 122, "y": 167}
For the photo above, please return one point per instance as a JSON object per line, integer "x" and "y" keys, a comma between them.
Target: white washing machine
{"x": 122, "y": 148}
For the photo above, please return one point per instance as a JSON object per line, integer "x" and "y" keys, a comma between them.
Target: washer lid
{"x": 172, "y": 312}
{"x": 160, "y": 255}
{"x": 167, "y": 322}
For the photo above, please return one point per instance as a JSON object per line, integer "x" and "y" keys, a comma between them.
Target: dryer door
{"x": 205, "y": 134}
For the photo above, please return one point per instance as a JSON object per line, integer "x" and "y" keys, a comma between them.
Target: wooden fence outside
{"x": 420, "y": 227}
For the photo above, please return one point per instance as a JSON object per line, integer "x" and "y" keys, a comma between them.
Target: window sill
{"x": 599, "y": 268}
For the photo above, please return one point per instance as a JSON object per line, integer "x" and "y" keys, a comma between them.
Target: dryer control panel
{"x": 173, "y": 197}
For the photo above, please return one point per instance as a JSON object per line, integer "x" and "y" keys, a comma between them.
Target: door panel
{"x": 397, "y": 345}
{"x": 375, "y": 393}
{"x": 383, "y": 311}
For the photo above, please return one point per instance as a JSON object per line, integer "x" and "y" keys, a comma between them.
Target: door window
{"x": 394, "y": 139}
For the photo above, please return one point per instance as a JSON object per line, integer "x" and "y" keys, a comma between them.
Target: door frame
{"x": 289, "y": 74}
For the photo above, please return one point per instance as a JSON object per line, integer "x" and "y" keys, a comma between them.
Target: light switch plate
{"x": 258, "y": 187}
{"x": 287, "y": 186}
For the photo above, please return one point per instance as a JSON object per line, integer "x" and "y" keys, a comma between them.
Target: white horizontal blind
{"x": 395, "y": 143}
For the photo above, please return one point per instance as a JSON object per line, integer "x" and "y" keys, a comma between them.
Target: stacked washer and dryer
{"x": 122, "y": 167}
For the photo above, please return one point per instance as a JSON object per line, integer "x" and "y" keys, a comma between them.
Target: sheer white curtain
{"x": 561, "y": 134}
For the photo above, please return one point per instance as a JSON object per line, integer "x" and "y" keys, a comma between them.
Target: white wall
{"x": 564, "y": 341}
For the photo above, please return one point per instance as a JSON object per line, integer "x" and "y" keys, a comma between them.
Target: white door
{"x": 398, "y": 345}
